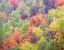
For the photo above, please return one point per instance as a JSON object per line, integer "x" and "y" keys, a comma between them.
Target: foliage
{"x": 7, "y": 27}
{"x": 21, "y": 6}
{"x": 42, "y": 6}
{"x": 54, "y": 26}
{"x": 27, "y": 11}
{"x": 59, "y": 3}
{"x": 30, "y": 47}
{"x": 29, "y": 25}
{"x": 42, "y": 44}
{"x": 10, "y": 44}
{"x": 53, "y": 45}
{"x": 37, "y": 20}
{"x": 17, "y": 47}
{"x": 16, "y": 36}
{"x": 8, "y": 8}
{"x": 38, "y": 31}
{"x": 15, "y": 16}
{"x": 60, "y": 23}
{"x": 55, "y": 13}
{"x": 23, "y": 29}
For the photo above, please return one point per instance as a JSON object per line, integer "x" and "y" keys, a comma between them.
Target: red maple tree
{"x": 59, "y": 3}
{"x": 37, "y": 20}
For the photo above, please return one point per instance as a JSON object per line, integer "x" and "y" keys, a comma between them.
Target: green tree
{"x": 30, "y": 47}
{"x": 15, "y": 16}
{"x": 7, "y": 30}
{"x": 55, "y": 13}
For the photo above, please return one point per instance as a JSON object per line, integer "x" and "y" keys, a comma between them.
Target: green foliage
{"x": 5, "y": 33}
{"x": 6, "y": 30}
{"x": 21, "y": 6}
{"x": 61, "y": 24}
{"x": 34, "y": 3}
{"x": 8, "y": 8}
{"x": 5, "y": 6}
{"x": 55, "y": 13}
{"x": 42, "y": 43}
{"x": 30, "y": 47}
{"x": 1, "y": 37}
{"x": 17, "y": 47}
{"x": 63, "y": 43}
{"x": 1, "y": 9}
{"x": 7, "y": 27}
{"x": 15, "y": 14}
{"x": 43, "y": 26}
{"x": 2, "y": 19}
{"x": 14, "y": 22}
{"x": 42, "y": 6}
{"x": 24, "y": 27}
{"x": 21, "y": 22}
{"x": 53, "y": 45}
{"x": 29, "y": 2}
{"x": 27, "y": 11}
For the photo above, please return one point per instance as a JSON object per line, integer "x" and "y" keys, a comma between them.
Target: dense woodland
{"x": 31, "y": 24}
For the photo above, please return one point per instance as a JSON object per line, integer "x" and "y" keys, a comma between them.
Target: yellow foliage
{"x": 53, "y": 26}
{"x": 38, "y": 31}
{"x": 28, "y": 46}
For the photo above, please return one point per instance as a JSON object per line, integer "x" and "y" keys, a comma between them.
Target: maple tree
{"x": 9, "y": 44}
{"x": 37, "y": 20}
{"x": 59, "y": 3}
{"x": 16, "y": 35}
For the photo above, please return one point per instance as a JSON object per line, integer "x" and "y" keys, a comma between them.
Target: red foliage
{"x": 16, "y": 36}
{"x": 27, "y": 35}
{"x": 23, "y": 17}
{"x": 37, "y": 20}
{"x": 9, "y": 44}
{"x": 32, "y": 38}
{"x": 59, "y": 3}
{"x": 29, "y": 32}
{"x": 13, "y": 1}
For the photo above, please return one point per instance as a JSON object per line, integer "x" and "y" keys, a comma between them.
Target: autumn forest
{"x": 31, "y": 24}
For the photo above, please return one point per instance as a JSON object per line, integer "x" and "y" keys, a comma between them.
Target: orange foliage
{"x": 29, "y": 32}
{"x": 56, "y": 35}
{"x": 16, "y": 36}
{"x": 27, "y": 35}
{"x": 23, "y": 41}
{"x": 9, "y": 44}
{"x": 59, "y": 3}
{"x": 37, "y": 20}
